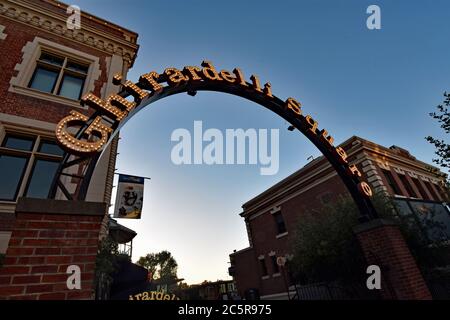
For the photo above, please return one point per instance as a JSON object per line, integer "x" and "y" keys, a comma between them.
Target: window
{"x": 27, "y": 166}
{"x": 59, "y": 75}
{"x": 276, "y": 268}
{"x": 442, "y": 191}
{"x": 422, "y": 192}
{"x": 431, "y": 189}
{"x": 262, "y": 263}
{"x": 391, "y": 182}
{"x": 281, "y": 227}
{"x": 325, "y": 198}
{"x": 407, "y": 186}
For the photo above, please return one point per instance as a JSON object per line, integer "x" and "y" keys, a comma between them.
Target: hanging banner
{"x": 130, "y": 197}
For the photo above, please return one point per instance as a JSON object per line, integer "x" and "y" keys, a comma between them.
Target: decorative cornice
{"x": 54, "y": 23}
{"x": 286, "y": 188}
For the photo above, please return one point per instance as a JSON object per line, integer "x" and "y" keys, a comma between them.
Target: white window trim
{"x": 3, "y": 35}
{"x": 281, "y": 235}
{"x": 275, "y": 275}
{"x": 5, "y": 236}
{"x": 275, "y": 210}
{"x": 7, "y": 205}
{"x": 31, "y": 53}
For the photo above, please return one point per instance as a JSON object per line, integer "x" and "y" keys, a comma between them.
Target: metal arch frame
{"x": 274, "y": 104}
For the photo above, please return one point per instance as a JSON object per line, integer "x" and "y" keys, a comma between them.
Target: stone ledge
{"x": 373, "y": 224}
{"x": 50, "y": 206}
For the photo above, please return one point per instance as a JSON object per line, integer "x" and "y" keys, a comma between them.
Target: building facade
{"x": 272, "y": 216}
{"x": 46, "y": 66}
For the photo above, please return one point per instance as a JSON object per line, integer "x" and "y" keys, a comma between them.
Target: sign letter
{"x": 97, "y": 128}
{"x": 74, "y": 280}
{"x": 74, "y": 21}
{"x": 374, "y": 20}
{"x": 374, "y": 280}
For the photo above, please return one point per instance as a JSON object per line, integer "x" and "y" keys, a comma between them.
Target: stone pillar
{"x": 383, "y": 244}
{"x": 48, "y": 236}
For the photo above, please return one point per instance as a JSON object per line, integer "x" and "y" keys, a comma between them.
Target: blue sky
{"x": 377, "y": 84}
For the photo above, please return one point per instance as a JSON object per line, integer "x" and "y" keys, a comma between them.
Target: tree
{"x": 325, "y": 249}
{"x": 442, "y": 148}
{"x": 161, "y": 265}
{"x": 106, "y": 265}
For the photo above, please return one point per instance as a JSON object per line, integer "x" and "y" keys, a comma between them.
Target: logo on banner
{"x": 130, "y": 197}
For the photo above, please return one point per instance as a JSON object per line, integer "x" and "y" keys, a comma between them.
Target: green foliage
{"x": 323, "y": 245}
{"x": 442, "y": 148}
{"x": 161, "y": 265}
{"x": 106, "y": 261}
{"x": 325, "y": 248}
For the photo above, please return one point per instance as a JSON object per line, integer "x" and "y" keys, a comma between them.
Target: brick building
{"x": 45, "y": 69}
{"x": 271, "y": 217}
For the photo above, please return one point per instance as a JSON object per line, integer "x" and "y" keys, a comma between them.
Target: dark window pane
{"x": 71, "y": 87}
{"x": 422, "y": 192}
{"x": 281, "y": 227}
{"x": 11, "y": 172}
{"x": 50, "y": 147}
{"x": 41, "y": 178}
{"x": 407, "y": 185}
{"x": 44, "y": 79}
{"x": 18, "y": 143}
{"x": 45, "y": 57}
{"x": 263, "y": 267}
{"x": 391, "y": 181}
{"x": 276, "y": 268}
{"x": 77, "y": 67}
{"x": 430, "y": 188}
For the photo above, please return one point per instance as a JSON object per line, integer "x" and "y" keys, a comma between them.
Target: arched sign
{"x": 97, "y": 131}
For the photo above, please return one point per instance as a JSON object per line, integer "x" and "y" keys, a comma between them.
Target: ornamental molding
{"x": 31, "y": 52}
{"x": 56, "y": 24}
{"x": 2, "y": 33}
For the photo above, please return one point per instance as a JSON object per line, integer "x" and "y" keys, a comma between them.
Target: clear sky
{"x": 377, "y": 84}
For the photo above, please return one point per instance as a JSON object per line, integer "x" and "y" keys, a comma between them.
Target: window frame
{"x": 277, "y": 225}
{"x": 435, "y": 197}
{"x": 61, "y": 70}
{"x": 22, "y": 175}
{"x": 275, "y": 266}
{"x": 408, "y": 186}
{"x": 31, "y": 157}
{"x": 263, "y": 267}
{"x": 389, "y": 176}
{"x": 33, "y": 168}
{"x": 422, "y": 191}
{"x": 32, "y": 52}
{"x": 33, "y": 77}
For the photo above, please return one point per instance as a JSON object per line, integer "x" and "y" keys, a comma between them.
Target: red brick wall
{"x": 41, "y": 248}
{"x": 7, "y": 221}
{"x": 18, "y": 35}
{"x": 247, "y": 271}
{"x": 264, "y": 233}
{"x": 384, "y": 245}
